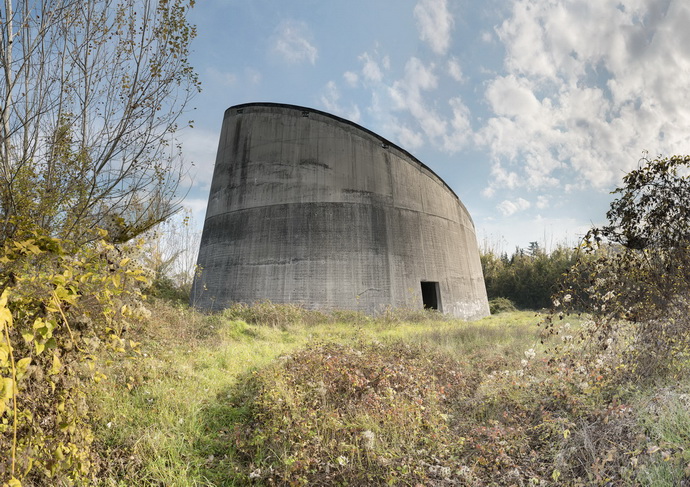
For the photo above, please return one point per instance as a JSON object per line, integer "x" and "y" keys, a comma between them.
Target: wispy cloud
{"x": 351, "y": 78}
{"x": 454, "y": 70}
{"x": 221, "y": 78}
{"x": 460, "y": 134}
{"x": 407, "y": 94}
{"x": 408, "y": 108}
{"x": 372, "y": 70}
{"x": 543, "y": 202}
{"x": 218, "y": 77}
{"x": 507, "y": 207}
{"x": 292, "y": 42}
{"x": 199, "y": 151}
{"x": 435, "y": 24}
{"x": 330, "y": 99}
{"x": 408, "y": 137}
{"x": 487, "y": 37}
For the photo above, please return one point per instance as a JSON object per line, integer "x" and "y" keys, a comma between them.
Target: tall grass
{"x": 667, "y": 423}
{"x": 190, "y": 410}
{"x": 165, "y": 417}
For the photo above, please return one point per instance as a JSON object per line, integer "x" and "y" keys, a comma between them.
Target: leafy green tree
{"x": 641, "y": 273}
{"x": 90, "y": 98}
{"x": 528, "y": 279}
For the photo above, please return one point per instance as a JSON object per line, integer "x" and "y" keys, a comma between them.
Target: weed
{"x": 348, "y": 414}
{"x": 275, "y": 315}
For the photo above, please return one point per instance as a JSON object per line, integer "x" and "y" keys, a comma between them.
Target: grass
{"x": 666, "y": 420}
{"x": 162, "y": 415}
{"x": 269, "y": 394}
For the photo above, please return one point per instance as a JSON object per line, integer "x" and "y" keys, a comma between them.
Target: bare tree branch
{"x": 91, "y": 94}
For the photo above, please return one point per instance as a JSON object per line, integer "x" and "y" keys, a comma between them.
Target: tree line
{"x": 529, "y": 277}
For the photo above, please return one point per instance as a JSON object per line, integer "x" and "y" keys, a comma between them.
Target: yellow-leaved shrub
{"x": 59, "y": 303}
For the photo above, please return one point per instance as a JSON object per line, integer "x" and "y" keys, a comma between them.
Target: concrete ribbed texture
{"x": 308, "y": 208}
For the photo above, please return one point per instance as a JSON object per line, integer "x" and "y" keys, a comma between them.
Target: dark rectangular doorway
{"x": 431, "y": 296}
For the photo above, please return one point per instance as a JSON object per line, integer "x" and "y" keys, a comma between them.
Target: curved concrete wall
{"x": 309, "y": 208}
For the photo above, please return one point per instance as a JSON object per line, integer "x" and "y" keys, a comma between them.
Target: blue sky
{"x": 531, "y": 110}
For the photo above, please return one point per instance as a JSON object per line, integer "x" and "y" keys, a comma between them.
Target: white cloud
{"x": 198, "y": 208}
{"x": 435, "y": 24}
{"x": 461, "y": 128}
{"x": 587, "y": 87}
{"x": 351, "y": 78}
{"x": 503, "y": 177}
{"x": 222, "y": 78}
{"x": 408, "y": 138}
{"x": 543, "y": 202}
{"x": 455, "y": 70}
{"x": 292, "y": 42}
{"x": 408, "y": 111}
{"x": 250, "y": 76}
{"x": 407, "y": 95}
{"x": 370, "y": 69}
{"x": 199, "y": 149}
{"x": 507, "y": 207}
{"x": 330, "y": 100}
{"x": 512, "y": 97}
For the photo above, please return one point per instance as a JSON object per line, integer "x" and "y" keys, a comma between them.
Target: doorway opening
{"x": 431, "y": 297}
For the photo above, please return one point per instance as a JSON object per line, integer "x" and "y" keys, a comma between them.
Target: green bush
{"x": 59, "y": 304}
{"x": 501, "y": 305}
{"x": 636, "y": 284}
{"x": 165, "y": 288}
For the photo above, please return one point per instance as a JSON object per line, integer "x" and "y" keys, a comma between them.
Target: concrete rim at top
{"x": 345, "y": 121}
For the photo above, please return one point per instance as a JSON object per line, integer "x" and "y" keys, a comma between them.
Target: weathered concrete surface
{"x": 309, "y": 208}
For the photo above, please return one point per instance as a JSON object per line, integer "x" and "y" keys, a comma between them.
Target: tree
{"x": 528, "y": 279}
{"x": 91, "y": 94}
{"x": 638, "y": 286}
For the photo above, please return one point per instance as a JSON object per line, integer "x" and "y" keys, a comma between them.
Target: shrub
{"x": 392, "y": 315}
{"x": 166, "y": 288}
{"x": 501, "y": 305}
{"x": 638, "y": 275}
{"x": 273, "y": 314}
{"x": 59, "y": 304}
{"x": 335, "y": 414}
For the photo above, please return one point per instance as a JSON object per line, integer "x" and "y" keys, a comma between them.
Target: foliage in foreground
{"x": 434, "y": 402}
{"x": 373, "y": 414}
{"x": 334, "y": 414}
{"x": 170, "y": 417}
{"x": 637, "y": 284}
{"x": 59, "y": 305}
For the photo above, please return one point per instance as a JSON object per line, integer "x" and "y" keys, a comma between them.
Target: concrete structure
{"x": 306, "y": 207}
